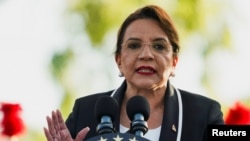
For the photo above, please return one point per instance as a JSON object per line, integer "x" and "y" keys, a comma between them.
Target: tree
{"x": 94, "y": 22}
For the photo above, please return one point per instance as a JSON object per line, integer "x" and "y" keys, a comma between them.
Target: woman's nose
{"x": 146, "y": 52}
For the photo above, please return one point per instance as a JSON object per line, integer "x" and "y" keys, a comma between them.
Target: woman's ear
{"x": 118, "y": 63}
{"x": 175, "y": 61}
{"x": 118, "y": 60}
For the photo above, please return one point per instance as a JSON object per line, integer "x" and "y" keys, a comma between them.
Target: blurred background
{"x": 53, "y": 51}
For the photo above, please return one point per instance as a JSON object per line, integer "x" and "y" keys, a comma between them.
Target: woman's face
{"x": 146, "y": 58}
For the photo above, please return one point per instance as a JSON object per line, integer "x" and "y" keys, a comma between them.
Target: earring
{"x": 172, "y": 74}
{"x": 121, "y": 74}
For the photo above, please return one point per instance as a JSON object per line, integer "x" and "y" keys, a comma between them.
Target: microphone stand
{"x": 139, "y": 126}
{"x": 105, "y": 126}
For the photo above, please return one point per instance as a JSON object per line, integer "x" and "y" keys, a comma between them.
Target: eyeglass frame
{"x": 168, "y": 46}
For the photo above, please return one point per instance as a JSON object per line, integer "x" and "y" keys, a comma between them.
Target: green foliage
{"x": 97, "y": 20}
{"x": 199, "y": 19}
{"x": 193, "y": 18}
{"x": 100, "y": 17}
{"x": 33, "y": 134}
{"x": 60, "y": 66}
{"x": 67, "y": 103}
{"x": 187, "y": 14}
{"x": 60, "y": 62}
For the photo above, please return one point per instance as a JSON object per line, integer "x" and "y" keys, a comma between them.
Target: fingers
{"x": 53, "y": 122}
{"x": 61, "y": 127}
{"x": 52, "y": 125}
{"x": 58, "y": 131}
{"x": 60, "y": 120}
{"x": 47, "y": 134}
{"x": 82, "y": 134}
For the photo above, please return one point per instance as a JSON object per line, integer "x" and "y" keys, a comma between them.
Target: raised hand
{"x": 58, "y": 131}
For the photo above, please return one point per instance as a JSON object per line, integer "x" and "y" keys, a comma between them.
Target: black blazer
{"x": 198, "y": 112}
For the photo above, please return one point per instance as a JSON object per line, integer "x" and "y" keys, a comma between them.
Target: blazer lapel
{"x": 119, "y": 94}
{"x": 169, "y": 127}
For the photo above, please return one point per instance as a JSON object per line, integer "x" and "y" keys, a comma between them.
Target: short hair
{"x": 150, "y": 12}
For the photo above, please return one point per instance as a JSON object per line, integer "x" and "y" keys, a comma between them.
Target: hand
{"x": 58, "y": 131}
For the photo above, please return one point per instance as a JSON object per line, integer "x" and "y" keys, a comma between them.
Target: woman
{"x": 146, "y": 54}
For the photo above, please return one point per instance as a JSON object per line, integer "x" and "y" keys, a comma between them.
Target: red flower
{"x": 12, "y": 123}
{"x": 239, "y": 114}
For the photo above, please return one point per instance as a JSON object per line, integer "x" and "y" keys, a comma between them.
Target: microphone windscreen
{"x": 107, "y": 106}
{"x": 138, "y": 104}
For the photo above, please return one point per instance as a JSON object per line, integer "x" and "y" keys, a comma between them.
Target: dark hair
{"x": 150, "y": 12}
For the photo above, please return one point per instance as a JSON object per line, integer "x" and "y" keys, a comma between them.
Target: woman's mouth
{"x": 145, "y": 70}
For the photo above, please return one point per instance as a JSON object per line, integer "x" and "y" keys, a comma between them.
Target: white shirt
{"x": 152, "y": 134}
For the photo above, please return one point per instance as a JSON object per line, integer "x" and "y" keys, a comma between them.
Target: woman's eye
{"x": 159, "y": 46}
{"x": 133, "y": 45}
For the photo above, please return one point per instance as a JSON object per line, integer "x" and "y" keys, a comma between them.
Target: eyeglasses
{"x": 157, "y": 47}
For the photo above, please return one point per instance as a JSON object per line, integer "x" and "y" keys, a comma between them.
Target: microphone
{"x": 138, "y": 111}
{"x": 106, "y": 110}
